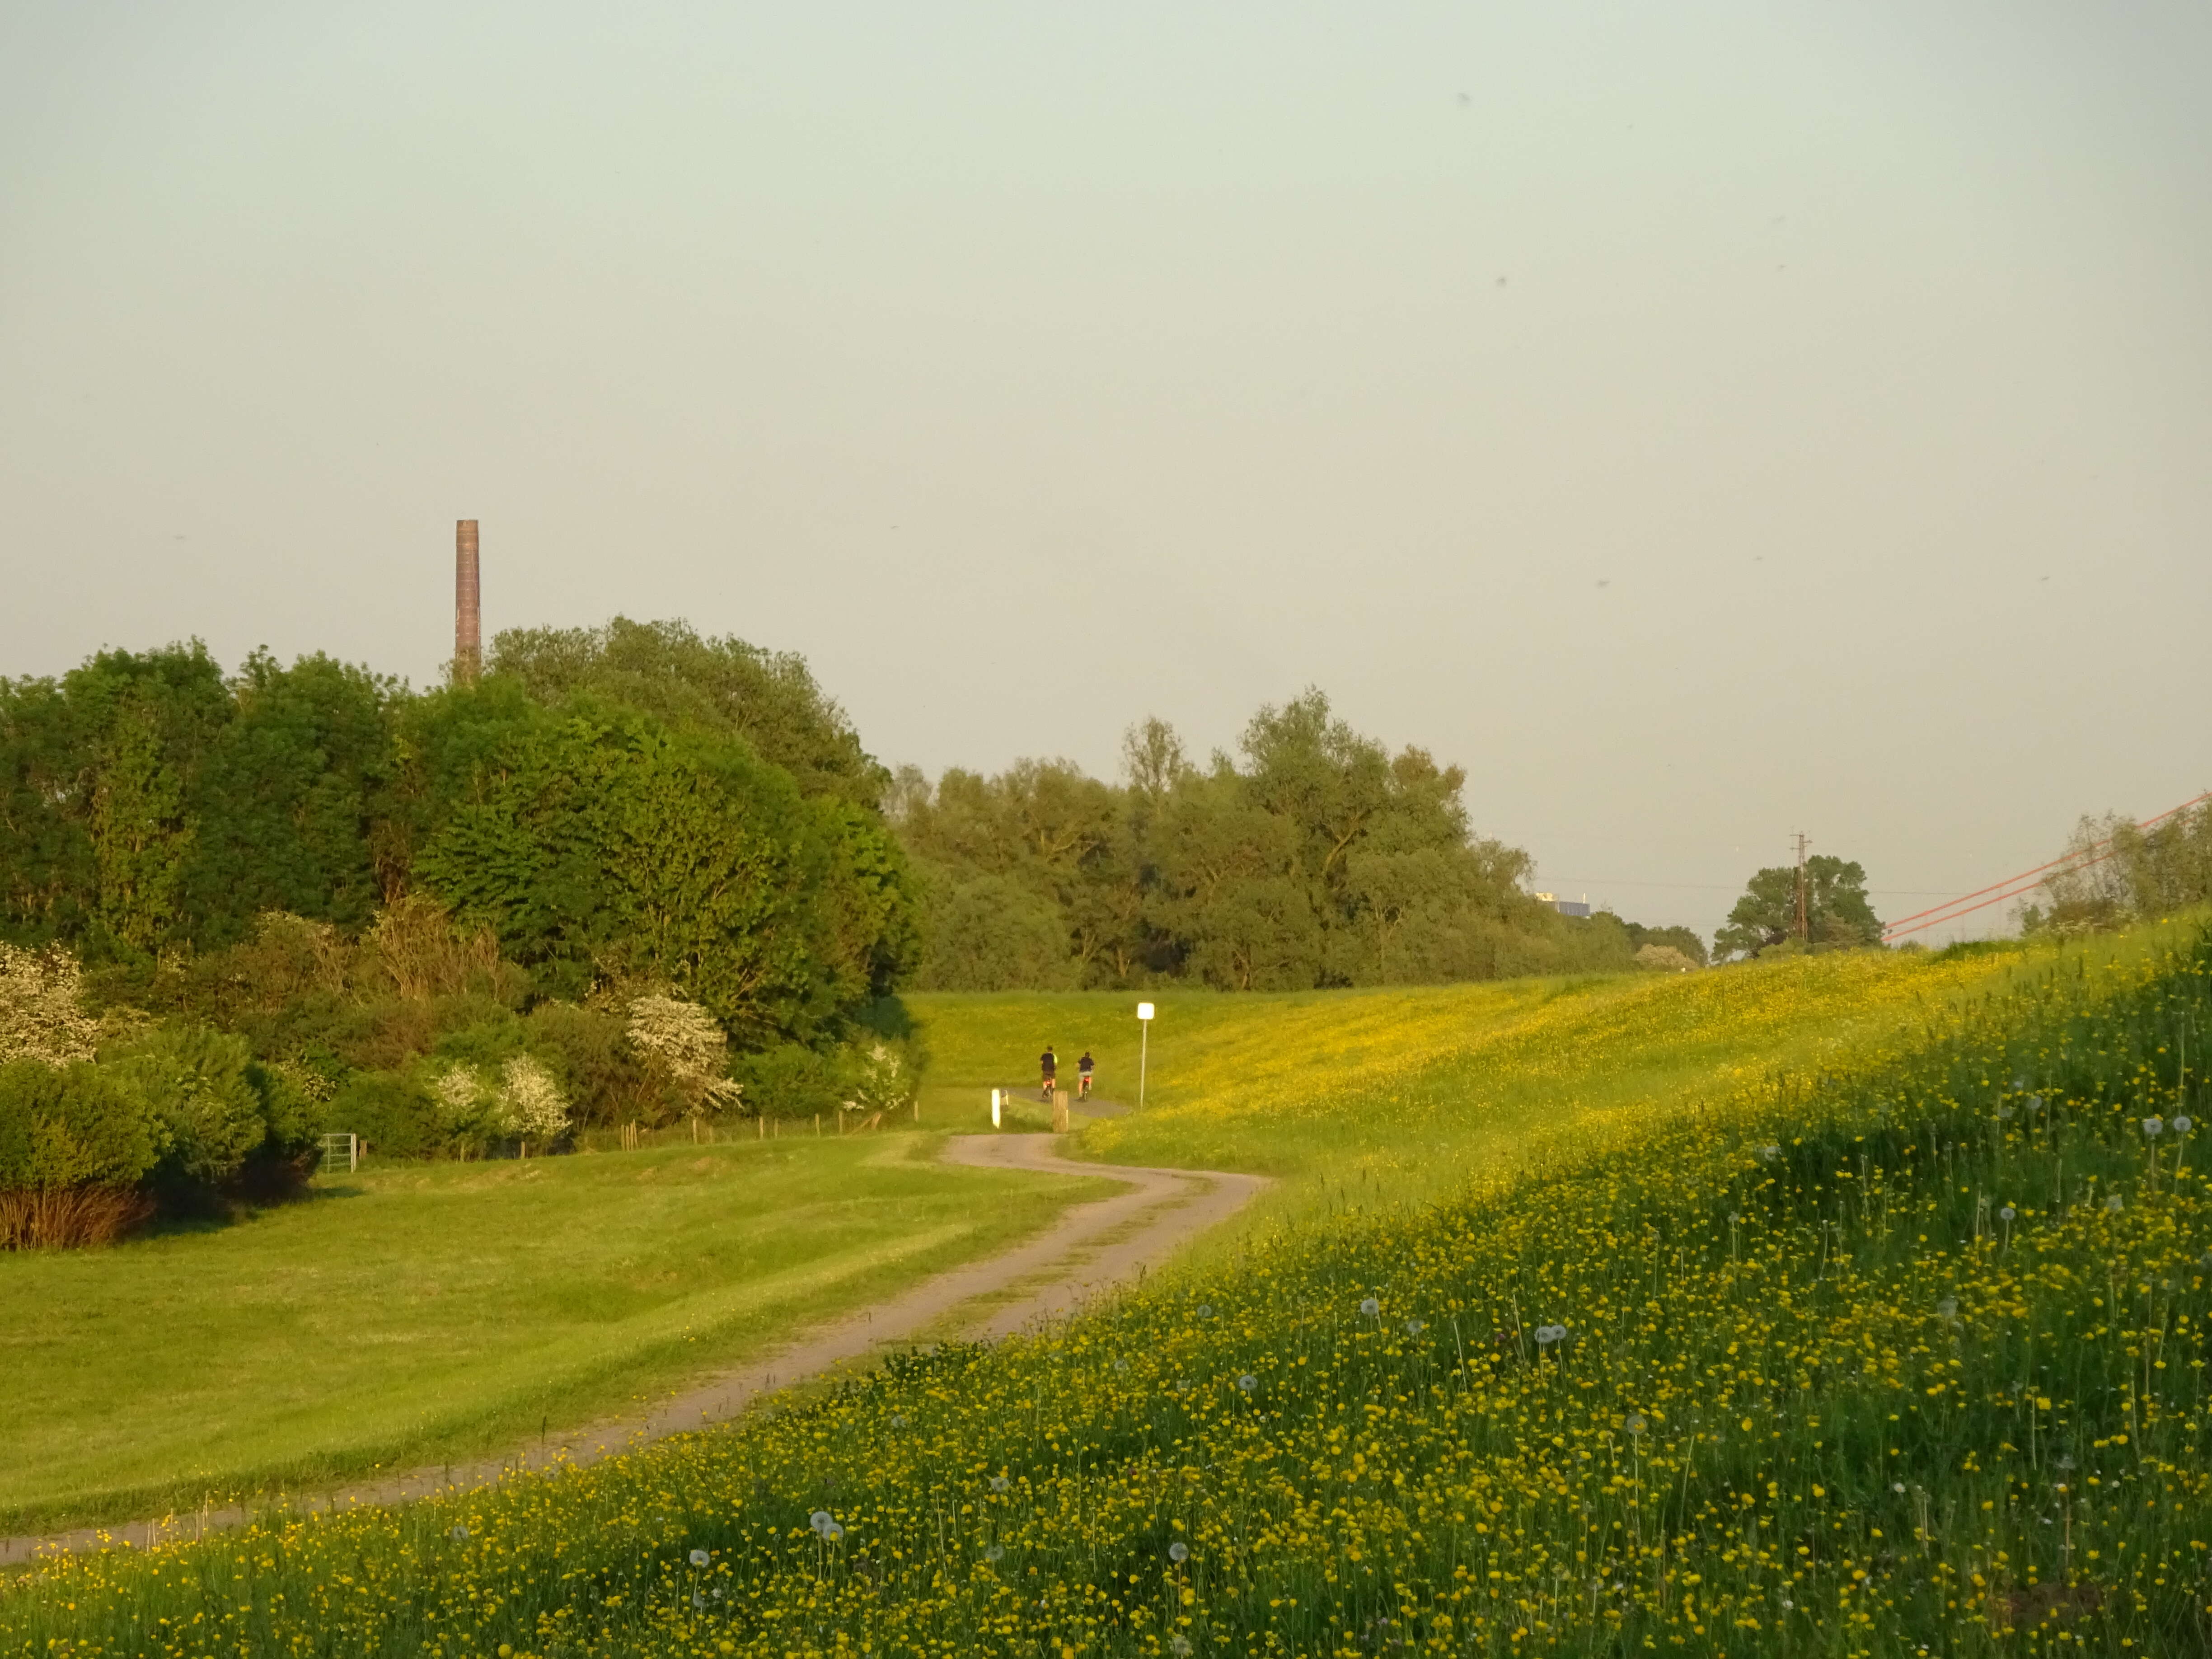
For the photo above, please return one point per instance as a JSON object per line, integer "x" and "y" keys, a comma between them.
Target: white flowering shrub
{"x": 879, "y": 1078}
{"x": 467, "y": 1112}
{"x": 530, "y": 1100}
{"x": 687, "y": 1044}
{"x": 40, "y": 1017}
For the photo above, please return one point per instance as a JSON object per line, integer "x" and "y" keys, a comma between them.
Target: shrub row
{"x": 178, "y": 1119}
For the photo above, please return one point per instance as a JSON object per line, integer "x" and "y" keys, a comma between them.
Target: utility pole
{"x": 1804, "y": 921}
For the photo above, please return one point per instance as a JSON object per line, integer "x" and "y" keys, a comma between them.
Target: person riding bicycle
{"x": 1048, "y": 1063}
{"x": 1083, "y": 1076}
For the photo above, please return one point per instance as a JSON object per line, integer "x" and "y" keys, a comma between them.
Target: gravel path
{"x": 1090, "y": 1248}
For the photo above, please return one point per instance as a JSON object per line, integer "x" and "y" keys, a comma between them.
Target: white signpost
{"x": 1144, "y": 1047}
{"x": 994, "y": 1109}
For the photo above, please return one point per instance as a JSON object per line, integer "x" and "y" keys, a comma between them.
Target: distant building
{"x": 1565, "y": 907}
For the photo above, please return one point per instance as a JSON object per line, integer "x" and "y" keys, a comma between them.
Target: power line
{"x": 2076, "y": 859}
{"x": 1734, "y": 886}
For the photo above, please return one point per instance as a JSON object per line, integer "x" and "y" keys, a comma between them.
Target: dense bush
{"x": 790, "y": 1081}
{"x": 179, "y": 1117}
{"x": 390, "y": 1110}
{"x": 605, "y": 1076}
{"x": 78, "y": 1125}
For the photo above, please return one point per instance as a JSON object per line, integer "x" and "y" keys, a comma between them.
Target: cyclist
{"x": 1083, "y": 1076}
{"x": 1048, "y": 1063}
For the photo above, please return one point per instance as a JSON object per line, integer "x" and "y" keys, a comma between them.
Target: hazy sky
{"x": 1701, "y": 422}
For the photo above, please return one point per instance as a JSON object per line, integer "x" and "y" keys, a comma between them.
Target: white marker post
{"x": 1144, "y": 1047}
{"x": 994, "y": 1109}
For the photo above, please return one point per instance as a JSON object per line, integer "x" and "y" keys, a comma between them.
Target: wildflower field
{"x": 1876, "y": 1326}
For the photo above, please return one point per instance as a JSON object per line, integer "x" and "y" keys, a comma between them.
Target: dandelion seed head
{"x": 1947, "y": 1308}
{"x": 819, "y": 1519}
{"x": 460, "y": 1533}
{"x": 996, "y": 1552}
{"x": 1415, "y": 1327}
{"x": 1178, "y": 1551}
{"x": 2154, "y": 1127}
{"x": 2115, "y": 1204}
{"x": 1247, "y": 1382}
{"x": 2183, "y": 1123}
{"x": 999, "y": 1482}
{"x": 1371, "y": 1307}
{"x": 2007, "y": 1213}
{"x": 1635, "y": 1424}
{"x": 700, "y": 1558}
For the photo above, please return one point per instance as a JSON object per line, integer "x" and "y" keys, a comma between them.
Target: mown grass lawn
{"x": 415, "y": 1312}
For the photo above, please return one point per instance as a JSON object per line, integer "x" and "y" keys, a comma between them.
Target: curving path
{"x": 1090, "y": 1248}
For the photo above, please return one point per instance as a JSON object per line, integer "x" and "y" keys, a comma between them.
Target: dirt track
{"x": 1089, "y": 1249}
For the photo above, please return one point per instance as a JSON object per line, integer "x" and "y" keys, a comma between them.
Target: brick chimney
{"x": 468, "y": 612}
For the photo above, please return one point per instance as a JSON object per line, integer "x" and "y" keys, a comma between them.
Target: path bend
{"x": 1089, "y": 1249}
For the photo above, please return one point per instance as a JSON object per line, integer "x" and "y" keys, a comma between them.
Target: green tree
{"x": 286, "y": 799}
{"x": 141, "y": 727}
{"x": 49, "y": 874}
{"x": 1840, "y": 915}
{"x": 991, "y": 932}
{"x": 670, "y": 671}
{"x": 1261, "y": 935}
{"x": 600, "y": 845}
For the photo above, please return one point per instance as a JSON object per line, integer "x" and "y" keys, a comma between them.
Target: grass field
{"x": 416, "y": 1312}
{"x": 1847, "y": 1306}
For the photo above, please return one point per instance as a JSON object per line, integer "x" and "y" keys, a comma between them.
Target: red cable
{"x": 1922, "y": 928}
{"x": 1938, "y": 914}
{"x": 2040, "y": 868}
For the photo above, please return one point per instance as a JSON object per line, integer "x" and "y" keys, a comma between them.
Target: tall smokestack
{"x": 468, "y": 613}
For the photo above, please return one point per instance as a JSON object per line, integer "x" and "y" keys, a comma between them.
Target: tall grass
{"x": 67, "y": 1217}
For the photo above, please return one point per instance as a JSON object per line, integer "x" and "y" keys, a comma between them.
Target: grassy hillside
{"x": 1880, "y": 1329}
{"x": 1415, "y": 1089}
{"x": 421, "y": 1311}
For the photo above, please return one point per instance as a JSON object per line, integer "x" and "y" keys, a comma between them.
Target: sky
{"x": 1701, "y": 422}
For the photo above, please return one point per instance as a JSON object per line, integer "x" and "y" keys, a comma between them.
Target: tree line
{"x": 618, "y": 805}
{"x": 1312, "y": 857}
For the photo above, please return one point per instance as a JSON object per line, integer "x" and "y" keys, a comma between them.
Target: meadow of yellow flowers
{"x": 1895, "y": 1346}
